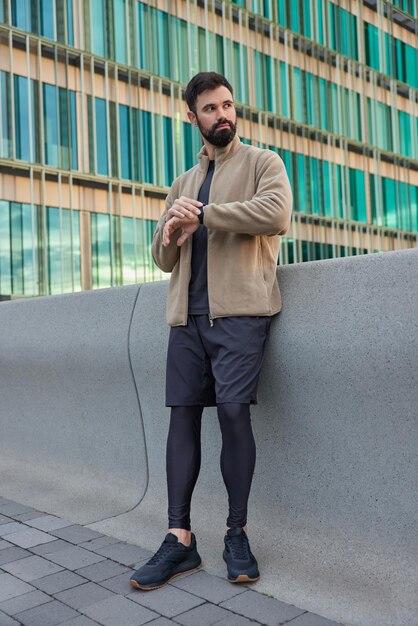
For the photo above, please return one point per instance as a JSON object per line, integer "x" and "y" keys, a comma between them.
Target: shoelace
{"x": 164, "y": 549}
{"x": 239, "y": 547}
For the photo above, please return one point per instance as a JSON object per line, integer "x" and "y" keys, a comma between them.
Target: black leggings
{"x": 184, "y": 456}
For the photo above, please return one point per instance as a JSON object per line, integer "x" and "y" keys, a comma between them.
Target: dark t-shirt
{"x": 198, "y": 286}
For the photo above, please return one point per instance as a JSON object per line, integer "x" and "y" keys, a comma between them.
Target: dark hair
{"x": 201, "y": 82}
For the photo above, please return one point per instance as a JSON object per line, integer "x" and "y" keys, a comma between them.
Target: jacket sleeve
{"x": 165, "y": 258}
{"x": 267, "y": 213}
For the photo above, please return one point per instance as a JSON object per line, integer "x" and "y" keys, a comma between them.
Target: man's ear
{"x": 192, "y": 118}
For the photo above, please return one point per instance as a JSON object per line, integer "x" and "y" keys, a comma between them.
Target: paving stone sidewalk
{"x": 55, "y": 572}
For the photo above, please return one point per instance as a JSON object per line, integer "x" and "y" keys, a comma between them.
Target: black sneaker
{"x": 241, "y": 563}
{"x": 171, "y": 559}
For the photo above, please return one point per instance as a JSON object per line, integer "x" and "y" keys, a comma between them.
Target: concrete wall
{"x": 332, "y": 515}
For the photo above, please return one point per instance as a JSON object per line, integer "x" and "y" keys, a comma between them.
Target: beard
{"x": 219, "y": 138}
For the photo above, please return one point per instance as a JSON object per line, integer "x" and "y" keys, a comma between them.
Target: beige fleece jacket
{"x": 249, "y": 209}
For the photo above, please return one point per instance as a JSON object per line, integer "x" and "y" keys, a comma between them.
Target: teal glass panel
{"x": 101, "y": 250}
{"x": 120, "y": 30}
{"x": 191, "y": 145}
{"x": 404, "y": 203}
{"x": 101, "y": 137}
{"x": 70, "y": 23}
{"x": 163, "y": 47}
{"x": 324, "y": 116}
{"x": 63, "y": 250}
{"x": 180, "y": 37}
{"x": 374, "y": 194}
{"x": 5, "y": 249}
{"x": 73, "y": 117}
{"x": 22, "y": 14}
{"x": 23, "y": 248}
{"x": 389, "y": 202}
{"x": 298, "y": 96}
{"x": 338, "y": 197}
{"x": 23, "y": 113}
{"x": 328, "y": 202}
{"x": 168, "y": 150}
{"x": 142, "y": 30}
{"x": 405, "y": 133}
{"x": 314, "y": 186}
{"x": 240, "y": 82}
{"x": 301, "y": 196}
{"x": 64, "y": 128}
{"x": 371, "y": 45}
{"x": 414, "y": 208}
{"x": 294, "y": 17}
{"x": 129, "y": 252}
{"x": 400, "y": 73}
{"x": 137, "y": 262}
{"x": 48, "y": 18}
{"x": 1, "y": 20}
{"x": 283, "y": 95}
{"x": 411, "y": 65}
{"x": 343, "y": 31}
{"x": 98, "y": 25}
{"x": 260, "y": 80}
{"x": 145, "y": 148}
{"x": 125, "y": 141}
{"x": 5, "y": 116}
{"x": 311, "y": 84}
{"x": 286, "y": 155}
{"x": 51, "y": 124}
{"x": 319, "y": 22}
{"x": 357, "y": 196}
{"x": 335, "y": 109}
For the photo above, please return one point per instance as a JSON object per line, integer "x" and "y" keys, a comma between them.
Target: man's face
{"x": 215, "y": 116}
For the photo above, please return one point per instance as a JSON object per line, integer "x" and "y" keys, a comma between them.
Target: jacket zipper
{"x": 207, "y": 246}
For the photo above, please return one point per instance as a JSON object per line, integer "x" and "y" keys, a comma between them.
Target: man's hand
{"x": 188, "y": 226}
{"x": 185, "y": 208}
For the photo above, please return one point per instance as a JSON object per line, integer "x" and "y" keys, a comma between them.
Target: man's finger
{"x": 182, "y": 238}
{"x": 174, "y": 211}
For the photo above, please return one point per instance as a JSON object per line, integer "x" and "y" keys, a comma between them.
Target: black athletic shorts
{"x": 209, "y": 365}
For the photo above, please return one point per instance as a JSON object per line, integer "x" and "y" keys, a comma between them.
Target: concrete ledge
{"x": 331, "y": 516}
{"x": 71, "y": 438}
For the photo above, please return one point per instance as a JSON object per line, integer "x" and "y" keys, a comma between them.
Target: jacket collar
{"x": 221, "y": 154}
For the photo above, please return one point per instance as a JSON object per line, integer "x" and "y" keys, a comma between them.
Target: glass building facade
{"x": 93, "y": 126}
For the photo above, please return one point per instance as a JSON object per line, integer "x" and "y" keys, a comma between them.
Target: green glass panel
{"x": 282, "y": 90}
{"x": 125, "y": 141}
{"x": 23, "y": 101}
{"x": 411, "y": 65}
{"x": 144, "y": 148}
{"x": 70, "y": 23}
{"x": 120, "y": 30}
{"x": 299, "y": 101}
{"x": 405, "y": 133}
{"x": 168, "y": 151}
{"x": 5, "y": 249}
{"x": 357, "y": 198}
{"x": 5, "y": 116}
{"x": 389, "y": 202}
{"x": 51, "y": 124}
{"x": 101, "y": 250}
{"x": 63, "y": 250}
{"x": 101, "y": 137}
{"x": 98, "y": 26}
{"x": 371, "y": 45}
{"x": 400, "y": 73}
{"x": 21, "y": 14}
{"x": 73, "y": 121}
{"x": 48, "y": 18}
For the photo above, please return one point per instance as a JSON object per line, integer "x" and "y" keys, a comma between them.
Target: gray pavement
{"x": 53, "y": 571}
